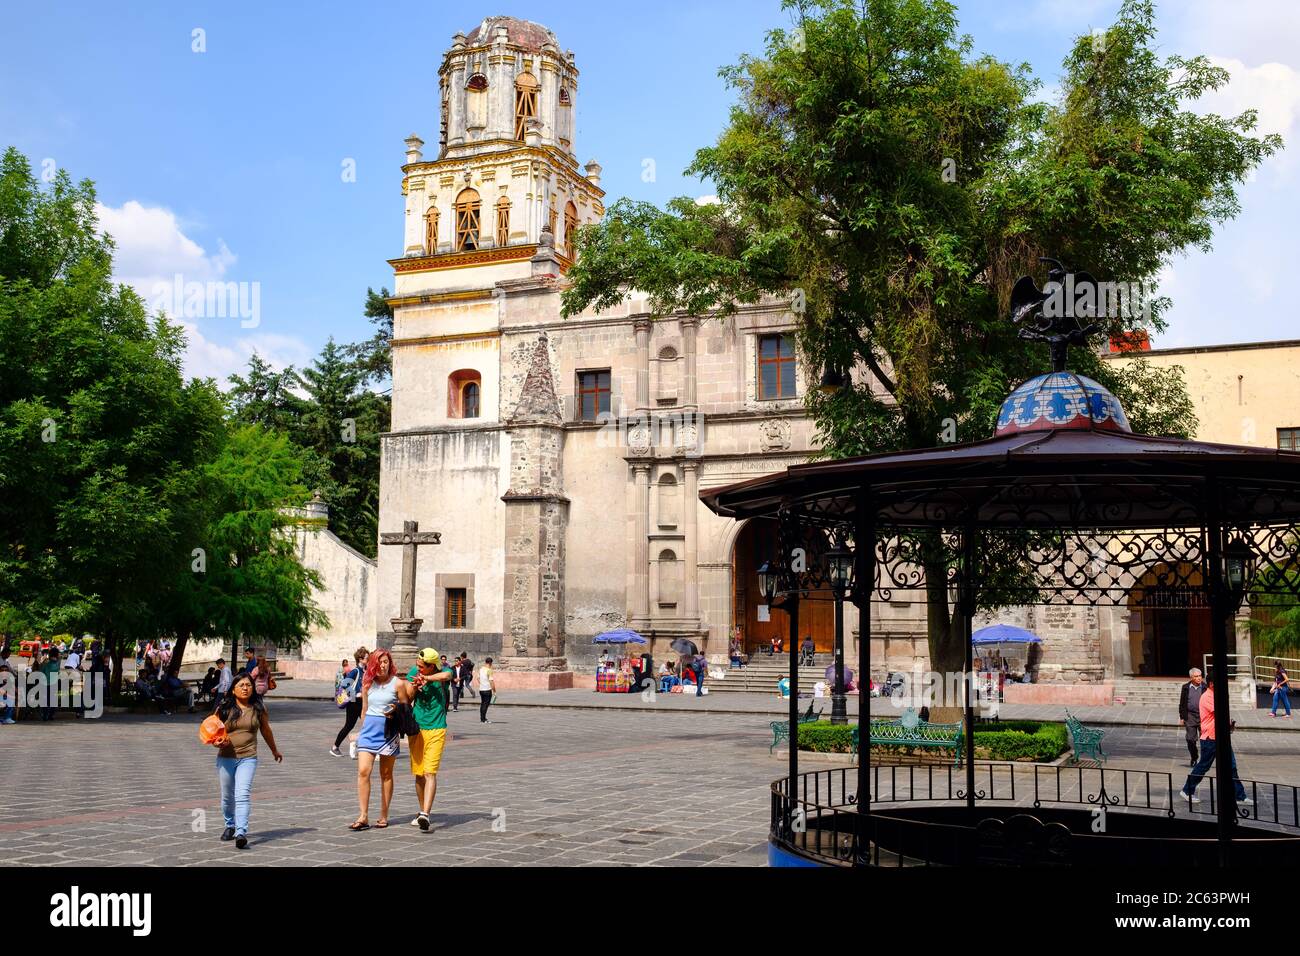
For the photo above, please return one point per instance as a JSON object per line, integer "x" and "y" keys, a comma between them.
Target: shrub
{"x": 1012, "y": 740}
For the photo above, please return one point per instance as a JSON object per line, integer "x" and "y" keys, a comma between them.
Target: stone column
{"x": 641, "y": 541}
{"x": 642, "y": 327}
{"x": 690, "y": 513}
{"x": 456, "y": 106}
{"x": 689, "y": 327}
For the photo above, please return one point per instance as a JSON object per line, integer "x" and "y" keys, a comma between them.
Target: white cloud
{"x": 1271, "y": 89}
{"x": 710, "y": 200}
{"x": 152, "y": 250}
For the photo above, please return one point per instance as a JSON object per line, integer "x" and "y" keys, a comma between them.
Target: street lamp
{"x": 767, "y": 582}
{"x": 1238, "y": 564}
{"x": 839, "y": 568}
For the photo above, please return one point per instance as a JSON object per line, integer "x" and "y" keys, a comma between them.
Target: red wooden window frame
{"x": 593, "y": 384}
{"x": 782, "y": 364}
{"x": 456, "y": 608}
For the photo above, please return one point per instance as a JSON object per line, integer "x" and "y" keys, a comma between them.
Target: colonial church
{"x": 561, "y": 459}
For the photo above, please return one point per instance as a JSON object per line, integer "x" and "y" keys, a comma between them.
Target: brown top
{"x": 243, "y": 734}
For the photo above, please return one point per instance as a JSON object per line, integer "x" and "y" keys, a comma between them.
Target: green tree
{"x": 893, "y": 186}
{"x": 264, "y": 396}
{"x": 243, "y": 580}
{"x": 97, "y": 426}
{"x": 374, "y": 356}
{"x": 340, "y": 424}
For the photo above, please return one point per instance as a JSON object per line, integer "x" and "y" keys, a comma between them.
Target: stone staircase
{"x": 761, "y": 674}
{"x": 1149, "y": 692}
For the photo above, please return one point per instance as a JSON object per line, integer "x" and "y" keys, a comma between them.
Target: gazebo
{"x": 1085, "y": 510}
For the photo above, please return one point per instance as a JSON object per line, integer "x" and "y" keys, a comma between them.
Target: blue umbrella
{"x": 1004, "y": 634}
{"x": 620, "y": 636}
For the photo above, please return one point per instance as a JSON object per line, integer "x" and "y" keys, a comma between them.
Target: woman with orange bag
{"x": 243, "y": 715}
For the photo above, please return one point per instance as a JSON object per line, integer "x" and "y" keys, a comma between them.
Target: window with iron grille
{"x": 525, "y": 103}
{"x": 467, "y": 220}
{"x": 776, "y": 366}
{"x": 455, "y": 607}
{"x": 571, "y": 231}
{"x": 593, "y": 394}
{"x": 503, "y": 222}
{"x": 1288, "y": 439}
{"x": 431, "y": 231}
{"x": 469, "y": 400}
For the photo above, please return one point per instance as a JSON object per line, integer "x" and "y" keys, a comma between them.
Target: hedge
{"x": 1011, "y": 740}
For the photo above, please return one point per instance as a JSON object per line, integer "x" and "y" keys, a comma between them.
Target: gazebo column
{"x": 789, "y": 538}
{"x": 864, "y": 588}
{"x": 1221, "y": 616}
{"x": 966, "y": 610}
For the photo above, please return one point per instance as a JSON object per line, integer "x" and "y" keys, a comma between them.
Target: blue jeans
{"x": 236, "y": 775}
{"x": 1208, "y": 750}
{"x": 699, "y": 682}
{"x": 1280, "y": 697}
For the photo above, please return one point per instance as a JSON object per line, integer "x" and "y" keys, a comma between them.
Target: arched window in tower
{"x": 571, "y": 231}
{"x": 565, "y": 100}
{"x": 476, "y": 102}
{"x": 431, "y": 231}
{"x": 464, "y": 394}
{"x": 467, "y": 220}
{"x": 503, "y": 221}
{"x": 525, "y": 103}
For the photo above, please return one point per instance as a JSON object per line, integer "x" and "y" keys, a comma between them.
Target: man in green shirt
{"x": 431, "y": 682}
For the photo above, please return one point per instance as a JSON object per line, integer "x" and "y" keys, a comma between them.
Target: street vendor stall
{"x": 621, "y": 675}
{"x": 997, "y": 646}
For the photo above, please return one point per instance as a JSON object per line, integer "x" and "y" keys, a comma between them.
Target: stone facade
{"x": 556, "y": 527}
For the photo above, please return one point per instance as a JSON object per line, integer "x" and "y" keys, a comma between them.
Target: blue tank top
{"x": 382, "y": 696}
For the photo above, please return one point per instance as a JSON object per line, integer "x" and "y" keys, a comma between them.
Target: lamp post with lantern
{"x": 839, "y": 569}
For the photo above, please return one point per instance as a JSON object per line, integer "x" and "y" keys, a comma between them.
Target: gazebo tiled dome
{"x": 1061, "y": 400}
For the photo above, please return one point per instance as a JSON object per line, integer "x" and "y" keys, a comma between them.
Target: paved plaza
{"x": 556, "y": 786}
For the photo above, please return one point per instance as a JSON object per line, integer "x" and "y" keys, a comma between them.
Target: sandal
{"x": 360, "y": 825}
{"x": 381, "y": 825}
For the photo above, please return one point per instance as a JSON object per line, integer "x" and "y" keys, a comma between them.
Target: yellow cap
{"x": 428, "y": 655}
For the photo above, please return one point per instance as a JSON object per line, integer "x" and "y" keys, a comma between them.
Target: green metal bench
{"x": 1085, "y": 740}
{"x": 910, "y": 730}
{"x": 781, "y": 728}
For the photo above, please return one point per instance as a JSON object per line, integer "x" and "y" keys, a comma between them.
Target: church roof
{"x": 524, "y": 33}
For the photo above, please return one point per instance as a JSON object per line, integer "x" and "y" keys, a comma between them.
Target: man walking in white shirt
{"x": 485, "y": 689}
{"x": 227, "y": 678}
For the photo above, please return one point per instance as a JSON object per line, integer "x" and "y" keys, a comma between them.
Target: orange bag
{"x": 213, "y": 731}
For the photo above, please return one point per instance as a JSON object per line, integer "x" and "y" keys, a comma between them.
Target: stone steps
{"x": 1148, "y": 693}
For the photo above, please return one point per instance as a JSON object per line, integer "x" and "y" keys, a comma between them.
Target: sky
{"x": 261, "y": 143}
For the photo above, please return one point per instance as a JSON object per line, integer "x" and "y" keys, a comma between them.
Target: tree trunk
{"x": 178, "y": 652}
{"x": 115, "y": 652}
{"x": 944, "y": 633}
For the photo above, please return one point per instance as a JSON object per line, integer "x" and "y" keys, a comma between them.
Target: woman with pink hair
{"x": 381, "y": 689}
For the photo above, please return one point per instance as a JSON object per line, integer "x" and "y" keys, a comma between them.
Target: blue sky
{"x": 228, "y": 164}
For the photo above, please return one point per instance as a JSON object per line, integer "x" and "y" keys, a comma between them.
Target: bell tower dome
{"x": 506, "y": 171}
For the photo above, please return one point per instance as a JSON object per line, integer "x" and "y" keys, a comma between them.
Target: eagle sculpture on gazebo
{"x": 1060, "y": 328}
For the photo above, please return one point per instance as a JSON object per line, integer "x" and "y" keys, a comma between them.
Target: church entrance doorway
{"x": 755, "y": 544}
{"x": 1170, "y": 622}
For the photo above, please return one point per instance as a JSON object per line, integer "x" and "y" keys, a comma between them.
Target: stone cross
{"x": 406, "y": 626}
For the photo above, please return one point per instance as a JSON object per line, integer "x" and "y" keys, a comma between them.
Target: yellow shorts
{"x": 426, "y": 751}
